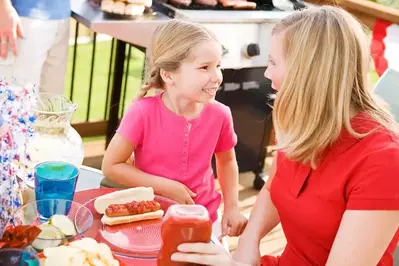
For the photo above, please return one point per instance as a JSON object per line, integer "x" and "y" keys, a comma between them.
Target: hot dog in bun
{"x": 129, "y": 205}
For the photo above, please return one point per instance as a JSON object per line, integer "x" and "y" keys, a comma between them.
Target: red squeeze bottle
{"x": 183, "y": 224}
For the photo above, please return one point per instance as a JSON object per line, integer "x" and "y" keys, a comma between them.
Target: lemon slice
{"x": 50, "y": 236}
{"x": 64, "y": 224}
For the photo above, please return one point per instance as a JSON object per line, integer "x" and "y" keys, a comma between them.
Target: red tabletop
{"x": 84, "y": 197}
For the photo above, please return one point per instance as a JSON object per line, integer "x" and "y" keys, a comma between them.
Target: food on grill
{"x": 125, "y": 7}
{"x": 238, "y": 4}
{"x": 207, "y": 2}
{"x": 244, "y": 5}
{"x": 181, "y": 2}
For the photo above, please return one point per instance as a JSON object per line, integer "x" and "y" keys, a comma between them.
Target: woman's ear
{"x": 166, "y": 76}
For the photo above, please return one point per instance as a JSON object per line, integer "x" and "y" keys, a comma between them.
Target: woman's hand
{"x": 205, "y": 254}
{"x": 10, "y": 29}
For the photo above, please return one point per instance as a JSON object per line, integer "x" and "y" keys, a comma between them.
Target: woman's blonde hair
{"x": 171, "y": 44}
{"x": 326, "y": 83}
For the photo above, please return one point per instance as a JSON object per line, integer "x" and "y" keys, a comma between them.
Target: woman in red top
{"x": 334, "y": 184}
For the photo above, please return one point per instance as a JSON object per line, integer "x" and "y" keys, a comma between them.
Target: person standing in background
{"x": 34, "y": 42}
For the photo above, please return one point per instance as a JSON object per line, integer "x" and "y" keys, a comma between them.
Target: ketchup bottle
{"x": 183, "y": 224}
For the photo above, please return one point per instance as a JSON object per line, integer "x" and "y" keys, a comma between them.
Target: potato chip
{"x": 84, "y": 252}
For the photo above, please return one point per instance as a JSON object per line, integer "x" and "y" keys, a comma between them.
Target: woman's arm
{"x": 372, "y": 215}
{"x": 264, "y": 218}
{"x": 116, "y": 168}
{"x": 363, "y": 237}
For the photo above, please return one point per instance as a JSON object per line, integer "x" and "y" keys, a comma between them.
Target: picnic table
{"x": 91, "y": 178}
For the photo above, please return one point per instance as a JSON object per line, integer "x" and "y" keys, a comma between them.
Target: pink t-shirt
{"x": 173, "y": 147}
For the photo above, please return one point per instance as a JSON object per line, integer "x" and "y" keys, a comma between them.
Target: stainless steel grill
{"x": 245, "y": 36}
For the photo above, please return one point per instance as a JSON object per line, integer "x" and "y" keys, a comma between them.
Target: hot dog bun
{"x": 131, "y": 218}
{"x": 122, "y": 197}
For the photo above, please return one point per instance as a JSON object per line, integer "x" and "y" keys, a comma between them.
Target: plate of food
{"x": 129, "y": 221}
{"x": 126, "y": 9}
{"x": 83, "y": 252}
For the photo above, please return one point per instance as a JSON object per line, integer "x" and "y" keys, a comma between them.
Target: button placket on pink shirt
{"x": 185, "y": 149}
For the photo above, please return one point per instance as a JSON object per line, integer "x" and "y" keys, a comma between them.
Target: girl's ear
{"x": 166, "y": 77}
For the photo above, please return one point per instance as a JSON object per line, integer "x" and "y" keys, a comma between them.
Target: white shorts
{"x": 42, "y": 55}
{"x": 217, "y": 233}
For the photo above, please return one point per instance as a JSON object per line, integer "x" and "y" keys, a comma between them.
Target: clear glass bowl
{"x": 40, "y": 212}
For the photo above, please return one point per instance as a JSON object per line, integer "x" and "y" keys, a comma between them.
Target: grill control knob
{"x": 224, "y": 50}
{"x": 252, "y": 50}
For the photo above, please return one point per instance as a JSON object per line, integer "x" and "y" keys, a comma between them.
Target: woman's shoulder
{"x": 375, "y": 138}
{"x": 377, "y": 151}
{"x": 380, "y": 148}
{"x": 380, "y": 145}
{"x": 379, "y": 139}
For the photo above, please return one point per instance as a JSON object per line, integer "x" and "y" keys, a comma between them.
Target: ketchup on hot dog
{"x": 132, "y": 208}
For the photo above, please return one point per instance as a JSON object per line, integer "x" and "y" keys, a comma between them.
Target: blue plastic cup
{"x": 54, "y": 180}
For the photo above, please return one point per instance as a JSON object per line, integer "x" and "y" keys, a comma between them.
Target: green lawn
{"x": 100, "y": 79}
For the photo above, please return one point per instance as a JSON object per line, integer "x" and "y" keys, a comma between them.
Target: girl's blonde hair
{"x": 326, "y": 83}
{"x": 171, "y": 44}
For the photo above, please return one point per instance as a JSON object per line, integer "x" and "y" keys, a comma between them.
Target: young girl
{"x": 334, "y": 184}
{"x": 174, "y": 134}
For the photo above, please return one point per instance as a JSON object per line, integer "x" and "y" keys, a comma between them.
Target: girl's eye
{"x": 204, "y": 67}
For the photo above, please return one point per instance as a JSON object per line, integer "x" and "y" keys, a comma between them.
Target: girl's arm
{"x": 116, "y": 168}
{"x": 263, "y": 219}
{"x": 227, "y": 173}
{"x": 233, "y": 222}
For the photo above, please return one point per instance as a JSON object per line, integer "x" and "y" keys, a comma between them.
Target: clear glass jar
{"x": 54, "y": 138}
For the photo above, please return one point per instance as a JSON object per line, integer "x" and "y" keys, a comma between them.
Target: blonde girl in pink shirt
{"x": 175, "y": 133}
